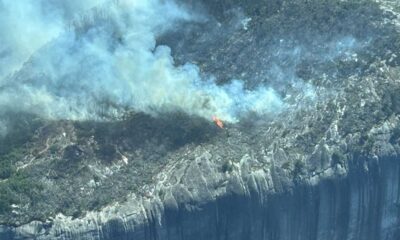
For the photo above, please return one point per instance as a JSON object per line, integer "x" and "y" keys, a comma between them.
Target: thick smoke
{"x": 27, "y": 25}
{"x": 78, "y": 60}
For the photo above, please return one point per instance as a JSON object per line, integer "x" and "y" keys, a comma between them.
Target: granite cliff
{"x": 325, "y": 166}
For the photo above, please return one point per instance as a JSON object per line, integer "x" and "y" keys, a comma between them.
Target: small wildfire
{"x": 218, "y": 122}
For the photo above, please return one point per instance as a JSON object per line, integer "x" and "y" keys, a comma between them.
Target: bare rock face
{"x": 326, "y": 167}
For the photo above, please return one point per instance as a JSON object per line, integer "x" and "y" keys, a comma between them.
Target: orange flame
{"x": 218, "y": 122}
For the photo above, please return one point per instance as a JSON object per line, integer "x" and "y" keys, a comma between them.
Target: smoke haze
{"x": 80, "y": 61}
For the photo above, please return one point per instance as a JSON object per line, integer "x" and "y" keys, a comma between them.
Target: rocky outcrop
{"x": 326, "y": 167}
{"x": 196, "y": 199}
{"x": 363, "y": 204}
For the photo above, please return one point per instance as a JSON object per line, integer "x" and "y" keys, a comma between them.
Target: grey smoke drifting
{"x": 84, "y": 60}
{"x": 27, "y": 25}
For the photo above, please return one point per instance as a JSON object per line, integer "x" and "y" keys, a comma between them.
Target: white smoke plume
{"x": 84, "y": 60}
{"x": 27, "y": 25}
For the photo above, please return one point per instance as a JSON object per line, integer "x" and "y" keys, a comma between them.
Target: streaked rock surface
{"x": 327, "y": 167}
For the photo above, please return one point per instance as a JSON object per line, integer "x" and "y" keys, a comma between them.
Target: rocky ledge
{"x": 325, "y": 167}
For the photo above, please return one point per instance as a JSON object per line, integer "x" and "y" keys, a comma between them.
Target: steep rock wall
{"x": 364, "y": 205}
